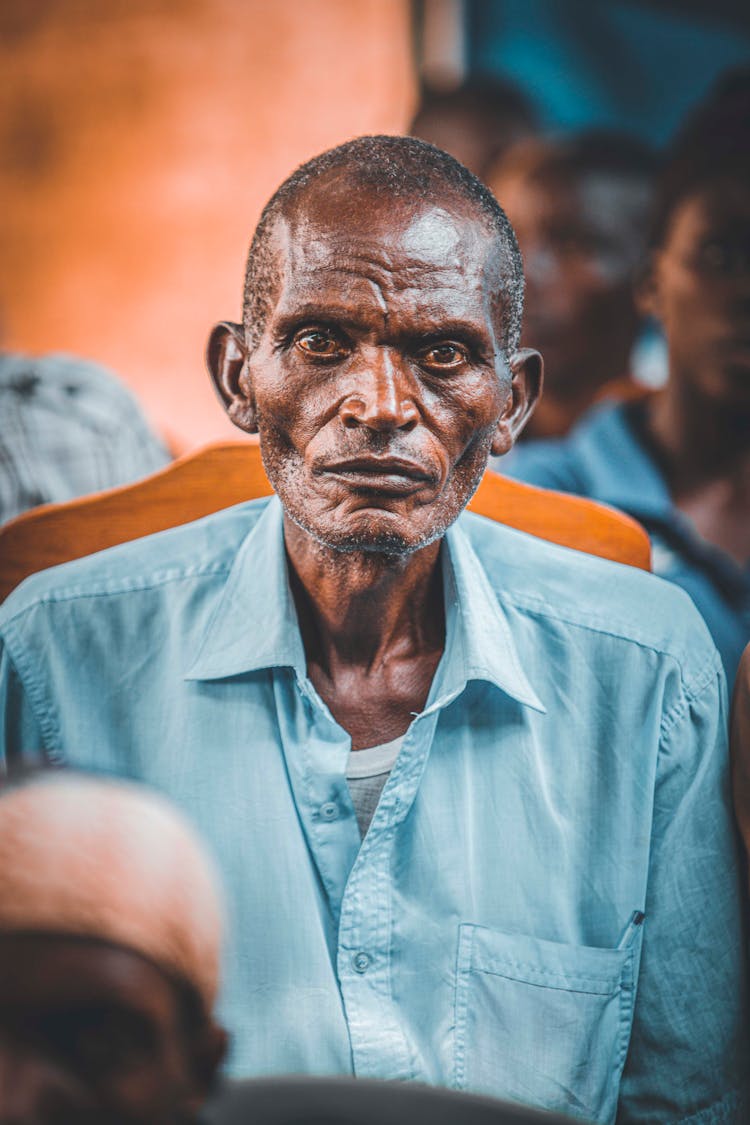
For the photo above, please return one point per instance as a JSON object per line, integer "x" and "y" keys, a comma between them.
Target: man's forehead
{"x": 415, "y": 244}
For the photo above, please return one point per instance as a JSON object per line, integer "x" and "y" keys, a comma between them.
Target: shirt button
{"x": 361, "y": 962}
{"x": 329, "y": 811}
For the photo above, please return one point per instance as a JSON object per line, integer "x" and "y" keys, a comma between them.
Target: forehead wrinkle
{"x": 429, "y": 239}
{"x": 385, "y": 274}
{"x": 378, "y": 269}
{"x": 317, "y": 255}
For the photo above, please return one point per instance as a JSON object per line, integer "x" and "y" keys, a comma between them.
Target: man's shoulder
{"x": 199, "y": 550}
{"x": 605, "y": 600}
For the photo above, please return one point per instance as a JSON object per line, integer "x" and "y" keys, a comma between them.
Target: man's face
{"x": 700, "y": 290}
{"x": 581, "y": 239}
{"x": 379, "y": 382}
{"x": 89, "y": 1035}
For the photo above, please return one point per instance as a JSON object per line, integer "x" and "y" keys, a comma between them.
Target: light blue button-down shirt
{"x": 567, "y": 771}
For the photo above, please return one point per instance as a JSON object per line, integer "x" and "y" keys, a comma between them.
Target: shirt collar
{"x": 479, "y": 642}
{"x": 255, "y": 625}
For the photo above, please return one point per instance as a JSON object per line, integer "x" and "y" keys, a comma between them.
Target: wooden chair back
{"x": 224, "y": 474}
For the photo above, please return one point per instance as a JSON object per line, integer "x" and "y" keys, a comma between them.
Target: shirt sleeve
{"x": 688, "y": 1055}
{"x": 21, "y": 735}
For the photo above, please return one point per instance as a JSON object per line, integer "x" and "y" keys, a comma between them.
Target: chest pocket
{"x": 542, "y": 1023}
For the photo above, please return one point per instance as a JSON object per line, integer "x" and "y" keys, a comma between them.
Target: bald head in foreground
{"x": 467, "y": 788}
{"x": 110, "y": 932}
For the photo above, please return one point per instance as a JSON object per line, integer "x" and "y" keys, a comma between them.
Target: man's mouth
{"x": 380, "y": 473}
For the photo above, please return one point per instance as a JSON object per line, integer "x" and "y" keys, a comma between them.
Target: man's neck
{"x": 362, "y": 608}
{"x": 373, "y": 627}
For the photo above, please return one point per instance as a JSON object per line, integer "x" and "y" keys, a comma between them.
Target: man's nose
{"x": 383, "y": 397}
{"x": 33, "y": 1091}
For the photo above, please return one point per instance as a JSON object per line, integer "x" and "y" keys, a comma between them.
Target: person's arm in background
{"x": 688, "y": 1054}
{"x": 740, "y": 743}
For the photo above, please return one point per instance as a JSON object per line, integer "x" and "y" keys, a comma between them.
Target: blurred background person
{"x": 579, "y": 206}
{"x": 67, "y": 428}
{"x": 110, "y": 931}
{"x": 679, "y": 460}
{"x": 475, "y": 122}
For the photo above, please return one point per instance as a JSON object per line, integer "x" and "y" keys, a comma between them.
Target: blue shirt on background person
{"x": 487, "y": 933}
{"x": 607, "y": 458}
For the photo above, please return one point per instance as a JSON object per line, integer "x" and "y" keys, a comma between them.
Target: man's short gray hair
{"x": 397, "y": 168}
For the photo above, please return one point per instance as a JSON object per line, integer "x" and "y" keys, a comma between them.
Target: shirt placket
{"x": 381, "y": 1046}
{"x": 357, "y": 875}
{"x": 316, "y": 749}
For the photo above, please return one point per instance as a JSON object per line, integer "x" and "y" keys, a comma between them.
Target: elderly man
{"x": 110, "y": 928}
{"x": 468, "y": 788}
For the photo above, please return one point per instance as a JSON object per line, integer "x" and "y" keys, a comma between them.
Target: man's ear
{"x": 206, "y": 1054}
{"x": 226, "y": 359}
{"x": 527, "y": 377}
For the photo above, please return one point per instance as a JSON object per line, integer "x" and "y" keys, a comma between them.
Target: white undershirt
{"x": 367, "y": 772}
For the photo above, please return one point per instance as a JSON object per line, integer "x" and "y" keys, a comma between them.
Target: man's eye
{"x": 443, "y": 356}
{"x": 321, "y": 344}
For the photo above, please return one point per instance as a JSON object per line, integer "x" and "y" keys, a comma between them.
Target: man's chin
{"x": 382, "y": 544}
{"x": 371, "y": 535}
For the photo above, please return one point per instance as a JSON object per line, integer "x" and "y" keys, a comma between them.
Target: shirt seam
{"x": 540, "y": 609}
{"x": 30, "y": 684}
{"x": 153, "y": 582}
{"x": 689, "y": 695}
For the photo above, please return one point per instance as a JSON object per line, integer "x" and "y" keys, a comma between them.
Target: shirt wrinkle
{"x": 690, "y": 696}
{"x": 618, "y": 629}
{"x": 112, "y": 590}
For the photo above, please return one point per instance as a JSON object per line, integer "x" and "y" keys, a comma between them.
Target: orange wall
{"x": 140, "y": 139}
